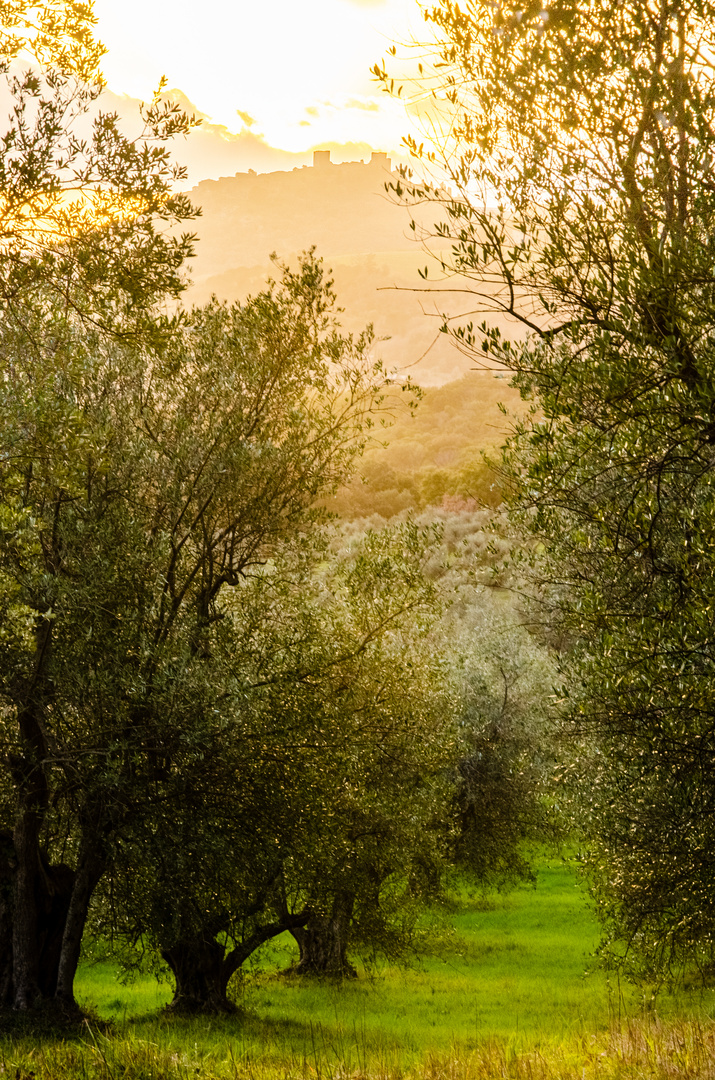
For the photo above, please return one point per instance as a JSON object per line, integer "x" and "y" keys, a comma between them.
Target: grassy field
{"x": 510, "y": 964}
{"x": 508, "y": 987}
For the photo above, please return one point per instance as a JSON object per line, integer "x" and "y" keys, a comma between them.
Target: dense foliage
{"x": 144, "y": 483}
{"x": 318, "y": 771}
{"x": 434, "y": 456}
{"x": 578, "y": 143}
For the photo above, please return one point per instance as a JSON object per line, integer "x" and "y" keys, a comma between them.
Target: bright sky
{"x": 296, "y": 73}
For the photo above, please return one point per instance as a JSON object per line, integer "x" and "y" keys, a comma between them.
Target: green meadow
{"x": 501, "y": 965}
{"x": 504, "y": 983}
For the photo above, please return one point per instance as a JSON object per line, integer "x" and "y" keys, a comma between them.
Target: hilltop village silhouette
{"x": 342, "y": 209}
{"x": 378, "y": 160}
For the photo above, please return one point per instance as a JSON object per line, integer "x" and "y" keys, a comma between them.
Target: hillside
{"x": 434, "y": 457}
{"x": 342, "y": 209}
{"x": 365, "y": 239}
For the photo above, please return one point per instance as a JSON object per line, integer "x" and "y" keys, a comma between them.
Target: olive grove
{"x": 149, "y": 461}
{"x": 215, "y": 725}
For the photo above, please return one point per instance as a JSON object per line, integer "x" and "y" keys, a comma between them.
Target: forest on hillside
{"x": 444, "y": 451}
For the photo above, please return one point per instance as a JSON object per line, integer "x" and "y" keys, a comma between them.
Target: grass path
{"x": 502, "y": 993}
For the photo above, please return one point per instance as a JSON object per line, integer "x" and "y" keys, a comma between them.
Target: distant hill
{"x": 342, "y": 209}
{"x": 363, "y": 235}
{"x": 434, "y": 457}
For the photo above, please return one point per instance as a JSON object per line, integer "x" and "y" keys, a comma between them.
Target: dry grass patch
{"x": 652, "y": 1049}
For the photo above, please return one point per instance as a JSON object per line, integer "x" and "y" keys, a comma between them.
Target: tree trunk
{"x": 28, "y": 899}
{"x": 90, "y": 867}
{"x": 31, "y": 895}
{"x": 201, "y": 976}
{"x": 7, "y": 858}
{"x": 34, "y": 932}
{"x": 323, "y": 941}
{"x": 202, "y": 969}
{"x": 56, "y": 885}
{"x": 31, "y": 940}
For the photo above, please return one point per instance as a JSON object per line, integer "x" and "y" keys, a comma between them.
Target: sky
{"x": 273, "y": 79}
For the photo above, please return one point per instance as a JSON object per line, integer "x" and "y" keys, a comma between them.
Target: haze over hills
{"x": 433, "y": 458}
{"x": 364, "y": 236}
{"x": 341, "y": 209}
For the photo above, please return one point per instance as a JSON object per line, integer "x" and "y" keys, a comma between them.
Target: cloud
{"x": 248, "y": 120}
{"x": 212, "y": 150}
{"x": 181, "y": 99}
{"x": 363, "y": 104}
{"x": 366, "y": 106}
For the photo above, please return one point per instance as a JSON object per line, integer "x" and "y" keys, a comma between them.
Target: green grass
{"x": 518, "y": 968}
{"x": 508, "y": 988}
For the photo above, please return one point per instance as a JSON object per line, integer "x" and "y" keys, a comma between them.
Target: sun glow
{"x": 293, "y": 76}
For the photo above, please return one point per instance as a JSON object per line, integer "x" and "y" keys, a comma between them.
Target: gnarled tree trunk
{"x": 323, "y": 941}
{"x": 90, "y": 867}
{"x": 56, "y": 892}
{"x": 31, "y": 939}
{"x": 7, "y": 859}
{"x": 202, "y": 968}
{"x": 201, "y": 976}
{"x": 43, "y": 908}
{"x": 33, "y": 899}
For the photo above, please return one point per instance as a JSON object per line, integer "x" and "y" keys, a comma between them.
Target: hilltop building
{"x": 321, "y": 160}
{"x": 347, "y": 212}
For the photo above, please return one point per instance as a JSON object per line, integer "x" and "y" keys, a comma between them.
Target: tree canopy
{"x": 149, "y": 461}
{"x": 319, "y": 750}
{"x": 144, "y": 483}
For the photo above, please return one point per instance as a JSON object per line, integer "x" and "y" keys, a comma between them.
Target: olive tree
{"x": 316, "y": 794}
{"x": 144, "y": 479}
{"x": 387, "y": 855}
{"x": 578, "y": 145}
{"x": 480, "y": 677}
{"x": 501, "y": 802}
{"x": 86, "y": 250}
